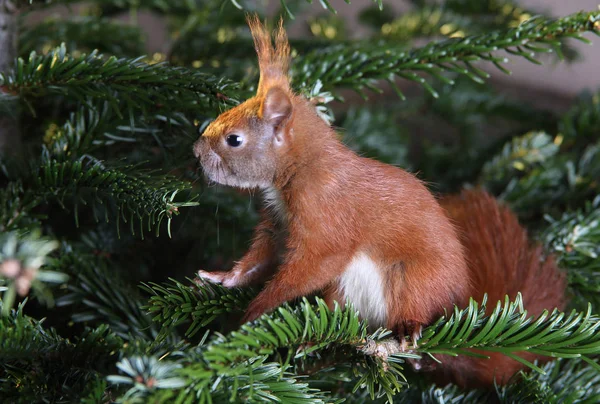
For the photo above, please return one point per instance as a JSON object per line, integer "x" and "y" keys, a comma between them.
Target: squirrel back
{"x": 502, "y": 261}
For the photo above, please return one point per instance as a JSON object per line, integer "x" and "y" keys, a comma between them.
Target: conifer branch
{"x": 10, "y": 131}
{"x": 92, "y": 129}
{"x": 305, "y": 328}
{"x": 253, "y": 381}
{"x": 455, "y": 19}
{"x": 434, "y": 394}
{"x": 575, "y": 238}
{"x": 180, "y": 7}
{"x": 375, "y": 134}
{"x": 465, "y": 104}
{"x": 563, "y": 381}
{"x": 580, "y": 124}
{"x": 509, "y": 330}
{"x": 359, "y": 67}
{"x": 21, "y": 257}
{"x": 45, "y": 366}
{"x": 141, "y": 200}
{"x": 534, "y": 174}
{"x": 325, "y": 3}
{"x": 15, "y": 208}
{"x": 521, "y": 155}
{"x": 98, "y": 295}
{"x": 176, "y": 303}
{"x": 129, "y": 84}
{"x": 76, "y": 137}
{"x": 83, "y": 34}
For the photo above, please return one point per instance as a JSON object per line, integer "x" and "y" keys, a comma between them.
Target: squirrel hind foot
{"x": 411, "y": 328}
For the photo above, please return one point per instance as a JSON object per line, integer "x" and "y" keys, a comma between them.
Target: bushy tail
{"x": 502, "y": 261}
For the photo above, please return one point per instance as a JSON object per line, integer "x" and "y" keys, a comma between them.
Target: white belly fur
{"x": 362, "y": 284}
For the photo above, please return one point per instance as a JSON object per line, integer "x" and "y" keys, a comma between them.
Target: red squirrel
{"x": 356, "y": 229}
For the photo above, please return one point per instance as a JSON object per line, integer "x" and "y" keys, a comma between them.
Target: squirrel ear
{"x": 277, "y": 107}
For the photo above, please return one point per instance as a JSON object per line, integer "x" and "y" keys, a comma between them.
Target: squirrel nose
{"x": 198, "y": 147}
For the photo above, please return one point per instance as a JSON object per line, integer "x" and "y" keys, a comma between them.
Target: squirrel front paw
{"x": 228, "y": 279}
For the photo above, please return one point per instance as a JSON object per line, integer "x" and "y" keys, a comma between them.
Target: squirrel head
{"x": 242, "y": 146}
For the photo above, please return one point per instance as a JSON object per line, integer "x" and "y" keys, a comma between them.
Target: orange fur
{"x": 325, "y": 206}
{"x": 502, "y": 261}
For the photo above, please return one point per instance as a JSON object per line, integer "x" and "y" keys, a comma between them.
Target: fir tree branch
{"x": 375, "y": 134}
{"x": 179, "y": 7}
{"x": 521, "y": 155}
{"x": 176, "y": 303}
{"x": 10, "y": 130}
{"x": 44, "y": 366}
{"x": 142, "y": 198}
{"x": 83, "y": 34}
{"x": 99, "y": 132}
{"x": 535, "y": 176}
{"x": 15, "y": 208}
{"x": 89, "y": 183}
{"x": 455, "y": 19}
{"x": 466, "y": 105}
{"x": 433, "y": 394}
{"x": 563, "y": 381}
{"x": 509, "y": 330}
{"x": 468, "y": 108}
{"x": 98, "y": 295}
{"x": 146, "y": 374}
{"x": 20, "y": 260}
{"x": 75, "y": 138}
{"x": 325, "y": 3}
{"x": 316, "y": 326}
{"x": 129, "y": 83}
{"x": 575, "y": 238}
{"x": 359, "y": 67}
{"x": 580, "y": 124}
{"x": 254, "y": 381}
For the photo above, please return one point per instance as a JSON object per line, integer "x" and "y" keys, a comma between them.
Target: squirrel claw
{"x": 414, "y": 330}
{"x": 417, "y": 334}
{"x": 411, "y": 328}
{"x": 214, "y": 277}
{"x": 228, "y": 279}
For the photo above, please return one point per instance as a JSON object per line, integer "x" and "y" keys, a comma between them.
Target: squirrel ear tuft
{"x": 276, "y": 107}
{"x": 272, "y": 60}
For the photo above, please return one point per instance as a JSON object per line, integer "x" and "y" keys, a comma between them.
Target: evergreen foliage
{"x": 359, "y": 66}
{"x": 98, "y": 301}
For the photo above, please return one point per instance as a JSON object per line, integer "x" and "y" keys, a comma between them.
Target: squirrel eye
{"x": 234, "y": 140}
